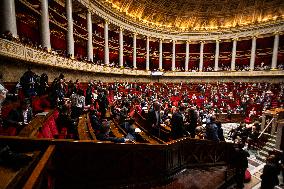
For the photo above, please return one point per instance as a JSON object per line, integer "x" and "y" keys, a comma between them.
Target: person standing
{"x": 269, "y": 177}
{"x": 212, "y": 130}
{"x": 154, "y": 119}
{"x": 177, "y": 122}
{"x": 241, "y": 164}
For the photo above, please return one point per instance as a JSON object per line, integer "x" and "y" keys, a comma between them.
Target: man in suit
{"x": 21, "y": 116}
{"x": 154, "y": 119}
{"x": 178, "y": 129}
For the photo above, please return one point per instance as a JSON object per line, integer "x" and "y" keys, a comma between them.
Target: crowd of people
{"x": 183, "y": 107}
{"x": 195, "y": 103}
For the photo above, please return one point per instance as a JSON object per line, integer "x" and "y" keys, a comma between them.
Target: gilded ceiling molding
{"x": 127, "y": 24}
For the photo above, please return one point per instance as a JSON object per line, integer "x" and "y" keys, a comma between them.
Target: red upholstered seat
{"x": 9, "y": 131}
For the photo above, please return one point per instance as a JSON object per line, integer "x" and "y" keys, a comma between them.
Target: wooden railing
{"x": 142, "y": 122}
{"x": 89, "y": 164}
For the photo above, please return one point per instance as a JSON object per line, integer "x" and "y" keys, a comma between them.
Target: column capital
{"x": 187, "y": 41}
{"x": 276, "y": 32}
{"x": 106, "y": 21}
{"x": 254, "y": 36}
{"x": 161, "y": 39}
{"x": 201, "y": 42}
{"x": 218, "y": 40}
{"x": 134, "y": 34}
{"x": 235, "y": 39}
{"x": 121, "y": 28}
{"x": 88, "y": 11}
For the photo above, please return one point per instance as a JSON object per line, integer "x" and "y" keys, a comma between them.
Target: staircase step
{"x": 267, "y": 148}
{"x": 263, "y": 153}
{"x": 269, "y": 144}
{"x": 273, "y": 136}
{"x": 261, "y": 158}
{"x": 272, "y": 140}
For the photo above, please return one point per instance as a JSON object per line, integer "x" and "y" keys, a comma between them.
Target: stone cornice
{"x": 121, "y": 21}
{"x": 18, "y": 51}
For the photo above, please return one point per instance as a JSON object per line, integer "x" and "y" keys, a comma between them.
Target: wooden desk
{"x": 32, "y": 128}
{"x": 11, "y": 178}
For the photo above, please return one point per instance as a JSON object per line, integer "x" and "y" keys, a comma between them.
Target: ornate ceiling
{"x": 198, "y": 15}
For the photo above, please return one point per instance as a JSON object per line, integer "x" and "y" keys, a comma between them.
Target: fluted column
{"x": 160, "y": 54}
{"x": 45, "y": 31}
{"x": 201, "y": 56}
{"x": 134, "y": 50}
{"x": 90, "y": 37}
{"x": 275, "y": 51}
{"x": 121, "y": 47}
{"x": 234, "y": 53}
{"x": 174, "y": 56}
{"x": 252, "y": 56}
{"x": 186, "y": 56}
{"x": 8, "y": 17}
{"x": 106, "y": 43}
{"x": 216, "y": 66}
{"x": 70, "y": 37}
{"x": 147, "y": 53}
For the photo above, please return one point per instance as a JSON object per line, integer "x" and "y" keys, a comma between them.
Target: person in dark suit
{"x": 154, "y": 119}
{"x": 269, "y": 177}
{"x": 21, "y": 116}
{"x": 241, "y": 163}
{"x": 103, "y": 103}
{"x": 192, "y": 122}
{"x": 177, "y": 122}
{"x": 28, "y": 83}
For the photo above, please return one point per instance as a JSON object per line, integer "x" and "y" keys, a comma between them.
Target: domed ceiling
{"x": 198, "y": 15}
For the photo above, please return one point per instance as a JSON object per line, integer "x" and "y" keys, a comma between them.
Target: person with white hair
{"x": 3, "y": 93}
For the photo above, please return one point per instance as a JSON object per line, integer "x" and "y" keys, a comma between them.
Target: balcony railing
{"x": 19, "y": 51}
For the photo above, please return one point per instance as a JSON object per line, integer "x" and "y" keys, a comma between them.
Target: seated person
{"x": 130, "y": 129}
{"x": 65, "y": 121}
{"x": 104, "y": 133}
{"x": 95, "y": 121}
{"x": 21, "y": 116}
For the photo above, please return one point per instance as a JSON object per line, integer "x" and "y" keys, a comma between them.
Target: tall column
{"x": 186, "y": 56}
{"x": 90, "y": 37}
{"x": 70, "y": 38}
{"x": 134, "y": 51}
{"x": 147, "y": 53}
{"x": 252, "y": 56}
{"x": 275, "y": 51}
{"x": 45, "y": 32}
{"x": 201, "y": 56}
{"x": 120, "y": 47}
{"x": 106, "y": 43}
{"x": 160, "y": 54}
{"x": 174, "y": 56}
{"x": 216, "y": 66}
{"x": 234, "y": 52}
{"x": 8, "y": 17}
